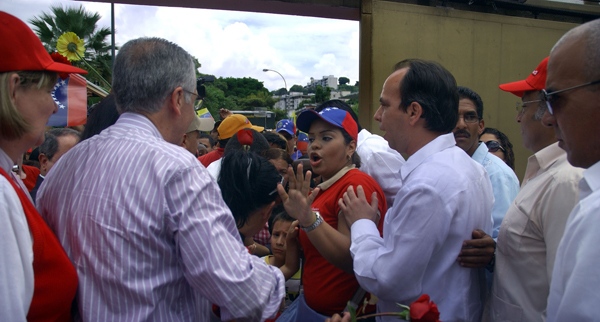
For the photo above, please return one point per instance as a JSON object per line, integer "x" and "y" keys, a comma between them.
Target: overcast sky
{"x": 231, "y": 43}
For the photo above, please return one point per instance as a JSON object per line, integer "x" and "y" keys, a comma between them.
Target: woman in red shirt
{"x": 38, "y": 280}
{"x": 328, "y": 277}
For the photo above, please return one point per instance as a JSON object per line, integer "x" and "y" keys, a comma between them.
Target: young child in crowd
{"x": 284, "y": 232}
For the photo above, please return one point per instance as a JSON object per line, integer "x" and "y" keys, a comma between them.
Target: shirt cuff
{"x": 363, "y": 227}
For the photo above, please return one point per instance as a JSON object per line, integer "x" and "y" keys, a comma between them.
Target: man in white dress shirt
{"x": 444, "y": 195}
{"x": 573, "y": 108}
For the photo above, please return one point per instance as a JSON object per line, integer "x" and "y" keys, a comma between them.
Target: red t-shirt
{"x": 327, "y": 288}
{"x": 32, "y": 175}
{"x": 211, "y": 157}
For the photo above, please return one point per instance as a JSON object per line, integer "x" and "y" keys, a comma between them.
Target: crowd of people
{"x": 155, "y": 214}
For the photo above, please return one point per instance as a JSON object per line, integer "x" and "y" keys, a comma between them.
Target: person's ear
{"x": 481, "y": 127}
{"x": 13, "y": 84}
{"x": 176, "y": 100}
{"x": 351, "y": 148}
{"x": 414, "y": 111}
{"x": 43, "y": 161}
{"x": 185, "y": 137}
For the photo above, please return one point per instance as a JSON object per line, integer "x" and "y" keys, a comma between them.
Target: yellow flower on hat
{"x": 70, "y": 46}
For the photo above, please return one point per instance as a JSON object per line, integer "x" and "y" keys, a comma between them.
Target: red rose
{"x": 61, "y": 59}
{"x": 422, "y": 310}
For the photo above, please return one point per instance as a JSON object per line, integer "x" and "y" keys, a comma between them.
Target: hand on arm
{"x": 477, "y": 252}
{"x": 355, "y": 206}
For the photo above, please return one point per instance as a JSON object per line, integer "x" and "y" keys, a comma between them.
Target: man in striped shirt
{"x": 139, "y": 216}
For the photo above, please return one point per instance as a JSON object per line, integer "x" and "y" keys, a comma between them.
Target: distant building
{"x": 290, "y": 102}
{"x": 326, "y": 81}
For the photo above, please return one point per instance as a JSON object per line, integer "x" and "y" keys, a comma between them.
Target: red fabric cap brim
{"x": 517, "y": 88}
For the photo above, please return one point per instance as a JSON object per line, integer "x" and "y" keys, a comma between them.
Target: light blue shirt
{"x": 505, "y": 183}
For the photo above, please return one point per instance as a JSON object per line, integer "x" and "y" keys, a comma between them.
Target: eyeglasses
{"x": 198, "y": 102}
{"x": 547, "y": 97}
{"x": 493, "y": 146}
{"x": 282, "y": 181}
{"x": 469, "y": 118}
{"x": 522, "y": 105}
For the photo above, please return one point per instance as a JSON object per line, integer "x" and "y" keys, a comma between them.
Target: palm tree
{"x": 50, "y": 26}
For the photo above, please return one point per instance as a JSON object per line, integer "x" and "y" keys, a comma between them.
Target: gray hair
{"x": 591, "y": 33}
{"x": 50, "y": 145}
{"x": 540, "y": 112}
{"x": 147, "y": 70}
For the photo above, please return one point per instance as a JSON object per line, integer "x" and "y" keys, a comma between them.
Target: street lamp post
{"x": 284, "y": 83}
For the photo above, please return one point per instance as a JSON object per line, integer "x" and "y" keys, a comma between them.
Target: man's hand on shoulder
{"x": 477, "y": 252}
{"x": 354, "y": 206}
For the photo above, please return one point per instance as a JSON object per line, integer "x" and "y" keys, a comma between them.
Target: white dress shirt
{"x": 380, "y": 162}
{"x": 445, "y": 195}
{"x": 16, "y": 251}
{"x": 575, "y": 287}
{"x": 530, "y": 234}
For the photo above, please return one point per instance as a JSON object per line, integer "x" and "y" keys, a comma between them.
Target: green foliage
{"x": 50, "y": 26}
{"x": 351, "y": 89}
{"x": 343, "y": 80}
{"x": 252, "y": 101}
{"x": 243, "y": 87}
{"x": 297, "y": 88}
{"x": 279, "y": 114}
{"x": 281, "y": 91}
{"x": 196, "y": 66}
{"x": 322, "y": 94}
{"x": 304, "y": 102}
{"x": 215, "y": 100}
{"x": 356, "y": 84}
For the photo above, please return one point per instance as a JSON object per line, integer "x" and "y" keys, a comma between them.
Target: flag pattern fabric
{"x": 70, "y": 95}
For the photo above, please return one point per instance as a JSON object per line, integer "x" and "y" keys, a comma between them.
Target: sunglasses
{"x": 282, "y": 181}
{"x": 198, "y": 102}
{"x": 549, "y": 98}
{"x": 494, "y": 146}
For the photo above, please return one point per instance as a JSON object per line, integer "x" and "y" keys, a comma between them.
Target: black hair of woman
{"x": 509, "y": 156}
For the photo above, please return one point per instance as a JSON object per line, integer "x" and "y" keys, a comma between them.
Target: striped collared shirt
{"x": 149, "y": 234}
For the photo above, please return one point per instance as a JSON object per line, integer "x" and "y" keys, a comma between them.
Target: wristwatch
{"x": 318, "y": 221}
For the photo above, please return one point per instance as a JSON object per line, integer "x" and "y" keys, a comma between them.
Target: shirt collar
{"x": 592, "y": 176}
{"x": 328, "y": 183}
{"x": 440, "y": 143}
{"x": 480, "y": 153}
{"x": 141, "y": 122}
{"x": 548, "y": 155}
{"x": 5, "y": 162}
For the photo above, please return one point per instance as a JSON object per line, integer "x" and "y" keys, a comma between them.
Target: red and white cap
{"x": 535, "y": 82}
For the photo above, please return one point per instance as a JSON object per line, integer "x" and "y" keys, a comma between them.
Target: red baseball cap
{"x": 21, "y": 49}
{"x": 535, "y": 82}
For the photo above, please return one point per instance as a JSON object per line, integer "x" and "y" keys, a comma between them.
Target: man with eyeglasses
{"x": 470, "y": 125}
{"x": 572, "y": 98}
{"x": 144, "y": 224}
{"x": 535, "y": 222}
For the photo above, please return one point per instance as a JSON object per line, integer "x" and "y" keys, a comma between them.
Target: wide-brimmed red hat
{"x": 535, "y": 82}
{"x": 21, "y": 49}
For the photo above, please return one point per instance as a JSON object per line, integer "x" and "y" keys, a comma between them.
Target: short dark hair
{"x": 509, "y": 156}
{"x": 50, "y": 145}
{"x": 207, "y": 136}
{"x": 465, "y": 92}
{"x": 275, "y": 138}
{"x": 279, "y": 214}
{"x": 102, "y": 115}
{"x": 248, "y": 182}
{"x": 342, "y": 106}
{"x": 434, "y": 88}
{"x": 278, "y": 154}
